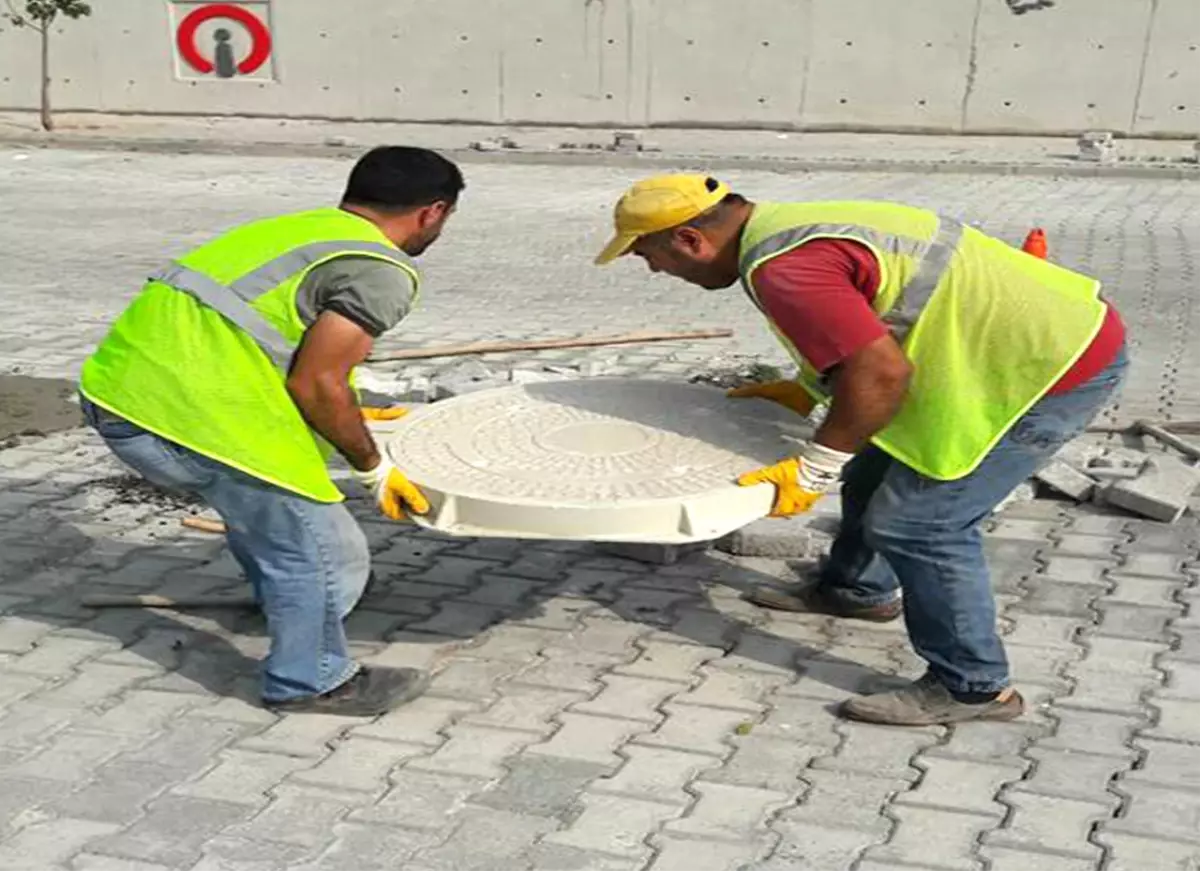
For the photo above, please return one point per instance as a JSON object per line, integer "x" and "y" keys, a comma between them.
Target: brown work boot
{"x": 370, "y": 693}
{"x": 927, "y": 702}
{"x": 820, "y": 599}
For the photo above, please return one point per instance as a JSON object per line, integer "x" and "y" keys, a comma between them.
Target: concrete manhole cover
{"x": 599, "y": 459}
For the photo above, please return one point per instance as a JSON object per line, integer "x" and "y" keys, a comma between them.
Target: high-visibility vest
{"x": 201, "y": 355}
{"x": 988, "y": 329}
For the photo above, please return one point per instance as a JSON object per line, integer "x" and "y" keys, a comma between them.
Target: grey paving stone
{"x": 732, "y": 690}
{"x": 592, "y": 739}
{"x": 475, "y": 751}
{"x": 1134, "y": 621}
{"x": 44, "y": 844}
{"x": 298, "y": 815}
{"x": 842, "y": 800}
{"x": 421, "y": 721}
{"x": 1099, "y": 689}
{"x": 72, "y": 756}
{"x": 543, "y": 786}
{"x": 1156, "y": 811}
{"x": 1166, "y": 763}
{"x": 1063, "y": 478}
{"x": 553, "y": 857}
{"x": 92, "y": 862}
{"x": 302, "y": 735}
{"x": 471, "y": 679}
{"x": 816, "y": 847}
{"x": 686, "y": 854}
{"x": 118, "y": 792}
{"x": 487, "y": 840}
{"x": 695, "y": 729}
{"x": 961, "y": 785}
{"x": 934, "y": 838}
{"x": 1139, "y": 853}
{"x": 419, "y": 799}
{"x": 1050, "y": 824}
{"x": 1095, "y": 732}
{"x": 802, "y": 536}
{"x": 614, "y": 825}
{"x": 631, "y": 698}
{"x": 877, "y": 750}
{"x": 989, "y": 742}
{"x": 1090, "y": 546}
{"x": 1003, "y": 859}
{"x": 1161, "y": 492}
{"x": 1071, "y": 775}
{"x": 1178, "y": 720}
{"x": 655, "y": 774}
{"x": 237, "y": 854}
{"x": 369, "y": 848}
{"x": 1166, "y": 565}
{"x": 24, "y": 797}
{"x": 1047, "y": 596}
{"x": 172, "y": 831}
{"x": 528, "y": 708}
{"x": 243, "y": 777}
{"x": 676, "y": 662}
{"x": 736, "y": 813}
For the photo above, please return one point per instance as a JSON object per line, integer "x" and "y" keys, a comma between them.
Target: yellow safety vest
{"x": 989, "y": 329}
{"x": 201, "y": 355}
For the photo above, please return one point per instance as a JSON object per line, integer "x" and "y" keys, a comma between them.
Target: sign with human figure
{"x": 223, "y": 41}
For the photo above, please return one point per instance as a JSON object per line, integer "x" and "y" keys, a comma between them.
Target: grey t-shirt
{"x": 372, "y": 293}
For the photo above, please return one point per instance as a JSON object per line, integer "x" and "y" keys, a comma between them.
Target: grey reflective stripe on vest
{"x": 225, "y": 302}
{"x": 275, "y": 272}
{"x": 934, "y": 256}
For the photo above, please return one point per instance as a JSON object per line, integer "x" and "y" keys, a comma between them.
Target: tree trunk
{"x": 47, "y": 120}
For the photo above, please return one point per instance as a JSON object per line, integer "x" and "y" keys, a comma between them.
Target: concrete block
{"x": 696, "y": 729}
{"x": 362, "y": 847}
{"x": 656, "y": 774}
{"x": 1065, "y": 479}
{"x": 1178, "y": 720}
{"x": 1138, "y": 853}
{"x": 306, "y": 735}
{"x": 1095, "y": 732}
{"x": 118, "y": 792}
{"x": 676, "y": 662}
{"x": 1167, "y": 763}
{"x": 932, "y": 838}
{"x": 299, "y": 816}
{"x": 630, "y": 698}
{"x": 529, "y": 708}
{"x": 652, "y": 554}
{"x": 358, "y": 764}
{"x": 732, "y": 690}
{"x": 961, "y": 785}
{"x": 989, "y": 742}
{"x": 487, "y": 840}
{"x": 419, "y": 800}
{"x": 543, "y": 786}
{"x": 1157, "y": 811}
{"x": 243, "y": 777}
{"x": 1068, "y": 775}
{"x": 1120, "y": 620}
{"x": 589, "y": 739}
{"x": 818, "y": 847}
{"x": 805, "y": 536}
{"x": 729, "y": 812}
{"x": 474, "y": 751}
{"x": 615, "y": 825}
{"x": 47, "y": 843}
{"x": 867, "y": 749}
{"x": 172, "y": 831}
{"x": 1161, "y": 492}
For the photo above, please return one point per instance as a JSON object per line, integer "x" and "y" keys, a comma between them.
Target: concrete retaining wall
{"x": 1131, "y": 66}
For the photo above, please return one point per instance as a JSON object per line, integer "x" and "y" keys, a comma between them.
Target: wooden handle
{"x": 548, "y": 344}
{"x": 204, "y": 525}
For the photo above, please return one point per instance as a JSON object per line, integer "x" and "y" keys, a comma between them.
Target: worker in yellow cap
{"x": 953, "y": 367}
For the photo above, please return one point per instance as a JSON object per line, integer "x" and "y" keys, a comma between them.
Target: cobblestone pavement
{"x": 588, "y": 713}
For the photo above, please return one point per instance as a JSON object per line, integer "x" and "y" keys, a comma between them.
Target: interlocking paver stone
{"x": 243, "y": 777}
{"x": 1139, "y": 853}
{"x": 934, "y": 838}
{"x": 1158, "y": 811}
{"x": 615, "y": 824}
{"x": 585, "y": 738}
{"x": 656, "y": 774}
{"x": 44, "y": 844}
{"x": 738, "y": 813}
{"x": 544, "y": 786}
{"x": 487, "y": 840}
{"x": 877, "y": 750}
{"x": 1050, "y": 824}
{"x": 961, "y": 785}
{"x": 696, "y": 729}
{"x": 420, "y": 799}
{"x": 172, "y": 831}
{"x": 685, "y": 854}
{"x": 475, "y": 751}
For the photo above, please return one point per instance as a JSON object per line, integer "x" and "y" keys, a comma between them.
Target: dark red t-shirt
{"x": 820, "y": 296}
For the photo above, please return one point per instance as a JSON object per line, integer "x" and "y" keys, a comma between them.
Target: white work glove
{"x": 395, "y": 495}
{"x": 802, "y": 480}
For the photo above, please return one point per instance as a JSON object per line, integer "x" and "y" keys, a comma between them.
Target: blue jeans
{"x": 903, "y": 531}
{"x": 308, "y": 561}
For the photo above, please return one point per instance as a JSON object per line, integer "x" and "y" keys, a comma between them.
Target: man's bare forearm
{"x": 328, "y": 405}
{"x": 868, "y": 391}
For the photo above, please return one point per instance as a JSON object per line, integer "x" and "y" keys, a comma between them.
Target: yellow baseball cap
{"x": 658, "y": 204}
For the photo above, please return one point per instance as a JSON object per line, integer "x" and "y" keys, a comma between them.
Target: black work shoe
{"x": 371, "y": 692}
{"x": 819, "y": 599}
{"x": 927, "y": 702}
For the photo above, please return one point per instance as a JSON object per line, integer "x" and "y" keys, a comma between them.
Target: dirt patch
{"x": 36, "y": 406}
{"x": 132, "y": 490}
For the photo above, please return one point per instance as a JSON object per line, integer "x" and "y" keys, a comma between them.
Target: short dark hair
{"x": 399, "y": 177}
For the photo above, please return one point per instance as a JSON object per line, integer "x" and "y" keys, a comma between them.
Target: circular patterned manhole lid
{"x": 540, "y": 459}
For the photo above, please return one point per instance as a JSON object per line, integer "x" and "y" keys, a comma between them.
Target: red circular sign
{"x": 260, "y": 37}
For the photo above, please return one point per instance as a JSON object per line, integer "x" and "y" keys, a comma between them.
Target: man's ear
{"x": 690, "y": 240}
{"x": 433, "y": 214}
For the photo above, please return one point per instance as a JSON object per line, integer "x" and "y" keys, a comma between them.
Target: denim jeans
{"x": 903, "y": 531}
{"x": 308, "y": 561}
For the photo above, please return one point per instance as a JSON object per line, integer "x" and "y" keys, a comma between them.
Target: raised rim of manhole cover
{"x": 601, "y": 459}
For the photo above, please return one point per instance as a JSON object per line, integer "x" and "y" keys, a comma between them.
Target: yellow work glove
{"x": 789, "y": 394}
{"x": 800, "y": 481}
{"x": 395, "y": 495}
{"x": 382, "y": 414}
